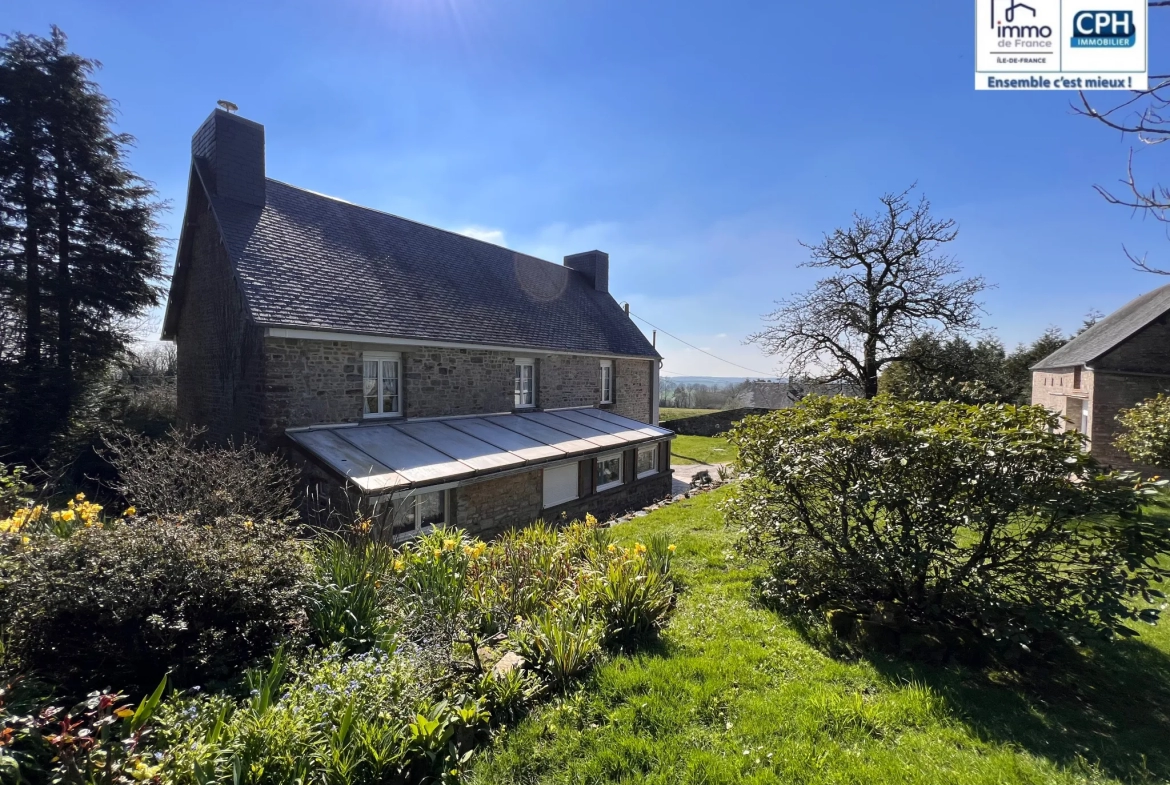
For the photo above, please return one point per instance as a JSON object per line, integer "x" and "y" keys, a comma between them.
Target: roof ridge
{"x": 412, "y": 221}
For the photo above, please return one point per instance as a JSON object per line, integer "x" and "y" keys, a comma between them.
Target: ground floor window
{"x": 609, "y": 471}
{"x": 420, "y": 513}
{"x": 647, "y": 460}
{"x": 560, "y": 484}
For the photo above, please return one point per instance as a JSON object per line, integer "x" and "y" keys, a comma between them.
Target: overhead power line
{"x": 704, "y": 351}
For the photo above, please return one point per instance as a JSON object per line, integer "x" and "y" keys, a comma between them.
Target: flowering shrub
{"x": 123, "y": 602}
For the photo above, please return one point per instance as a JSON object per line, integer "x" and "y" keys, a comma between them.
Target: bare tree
{"x": 1145, "y": 117}
{"x": 891, "y": 282}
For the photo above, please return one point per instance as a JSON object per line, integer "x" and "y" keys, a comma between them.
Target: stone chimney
{"x": 594, "y": 265}
{"x": 232, "y": 151}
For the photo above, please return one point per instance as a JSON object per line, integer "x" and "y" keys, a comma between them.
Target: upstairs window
{"x": 607, "y": 381}
{"x": 382, "y": 385}
{"x": 1077, "y": 378}
{"x": 525, "y": 393}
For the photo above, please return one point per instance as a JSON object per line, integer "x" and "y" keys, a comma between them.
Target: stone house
{"x": 1118, "y": 362}
{"x": 426, "y": 376}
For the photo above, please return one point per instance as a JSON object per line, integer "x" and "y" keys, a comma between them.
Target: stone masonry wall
{"x": 445, "y": 382}
{"x": 632, "y": 389}
{"x": 1111, "y": 394}
{"x": 220, "y": 351}
{"x": 487, "y": 508}
{"x": 568, "y": 380}
{"x": 1051, "y": 389}
{"x": 312, "y": 382}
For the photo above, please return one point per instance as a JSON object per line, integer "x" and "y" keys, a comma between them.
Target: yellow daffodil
{"x": 80, "y": 497}
{"x": 248, "y": 524}
{"x": 449, "y": 545}
{"x": 639, "y": 548}
{"x": 399, "y": 565}
{"x": 67, "y": 515}
{"x": 130, "y": 512}
{"x": 611, "y": 548}
{"x": 670, "y": 547}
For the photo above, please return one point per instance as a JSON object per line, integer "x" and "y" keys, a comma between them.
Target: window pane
{"x": 389, "y": 386}
{"x": 609, "y": 470}
{"x": 403, "y": 517}
{"x": 606, "y": 384}
{"x": 518, "y": 402}
{"x": 647, "y": 459}
{"x": 526, "y": 384}
{"x": 431, "y": 508}
{"x": 370, "y": 387}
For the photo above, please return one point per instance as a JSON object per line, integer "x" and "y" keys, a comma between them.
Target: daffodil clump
{"x": 78, "y": 513}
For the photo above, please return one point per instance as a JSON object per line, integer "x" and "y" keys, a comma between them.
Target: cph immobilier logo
{"x": 1060, "y": 45}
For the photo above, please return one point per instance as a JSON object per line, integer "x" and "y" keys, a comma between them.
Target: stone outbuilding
{"x": 428, "y": 377}
{"x": 1118, "y": 362}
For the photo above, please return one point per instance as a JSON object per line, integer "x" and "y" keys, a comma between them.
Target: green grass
{"x": 734, "y": 694}
{"x": 677, "y": 414}
{"x": 701, "y": 449}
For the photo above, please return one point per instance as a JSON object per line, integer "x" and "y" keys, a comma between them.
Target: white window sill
{"x": 382, "y": 416}
{"x": 649, "y": 473}
{"x": 410, "y": 535}
{"x": 608, "y": 486}
{"x": 524, "y": 406}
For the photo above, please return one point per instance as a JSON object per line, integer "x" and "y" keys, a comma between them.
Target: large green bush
{"x": 924, "y": 518}
{"x": 122, "y": 603}
{"x": 1145, "y": 433}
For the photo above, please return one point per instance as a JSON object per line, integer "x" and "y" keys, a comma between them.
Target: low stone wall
{"x": 710, "y": 424}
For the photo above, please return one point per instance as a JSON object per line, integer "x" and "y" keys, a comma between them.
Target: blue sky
{"x": 695, "y": 142}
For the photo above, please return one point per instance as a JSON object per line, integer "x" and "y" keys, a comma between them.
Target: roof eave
{"x": 300, "y": 331}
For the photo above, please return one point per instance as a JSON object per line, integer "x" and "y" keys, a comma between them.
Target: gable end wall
{"x": 219, "y": 348}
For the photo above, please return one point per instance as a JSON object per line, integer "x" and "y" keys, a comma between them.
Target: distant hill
{"x": 715, "y": 381}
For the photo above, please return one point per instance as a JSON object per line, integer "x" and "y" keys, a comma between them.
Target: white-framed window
{"x": 382, "y": 384}
{"x": 419, "y": 514}
{"x": 609, "y": 471}
{"x": 560, "y": 484}
{"x": 607, "y": 381}
{"x": 525, "y": 394}
{"x": 647, "y": 460}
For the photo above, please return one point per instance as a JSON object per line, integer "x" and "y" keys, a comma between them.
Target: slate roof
{"x": 1109, "y": 332}
{"x": 310, "y": 261}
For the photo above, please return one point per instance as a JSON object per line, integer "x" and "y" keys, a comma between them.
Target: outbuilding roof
{"x": 1111, "y": 331}
{"x": 400, "y": 455}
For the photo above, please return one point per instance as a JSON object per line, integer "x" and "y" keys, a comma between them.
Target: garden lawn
{"x": 701, "y": 449}
{"x": 734, "y": 694}
{"x": 668, "y": 413}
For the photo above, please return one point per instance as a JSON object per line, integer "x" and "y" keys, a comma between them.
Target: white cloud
{"x": 721, "y": 335}
{"x": 488, "y": 235}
